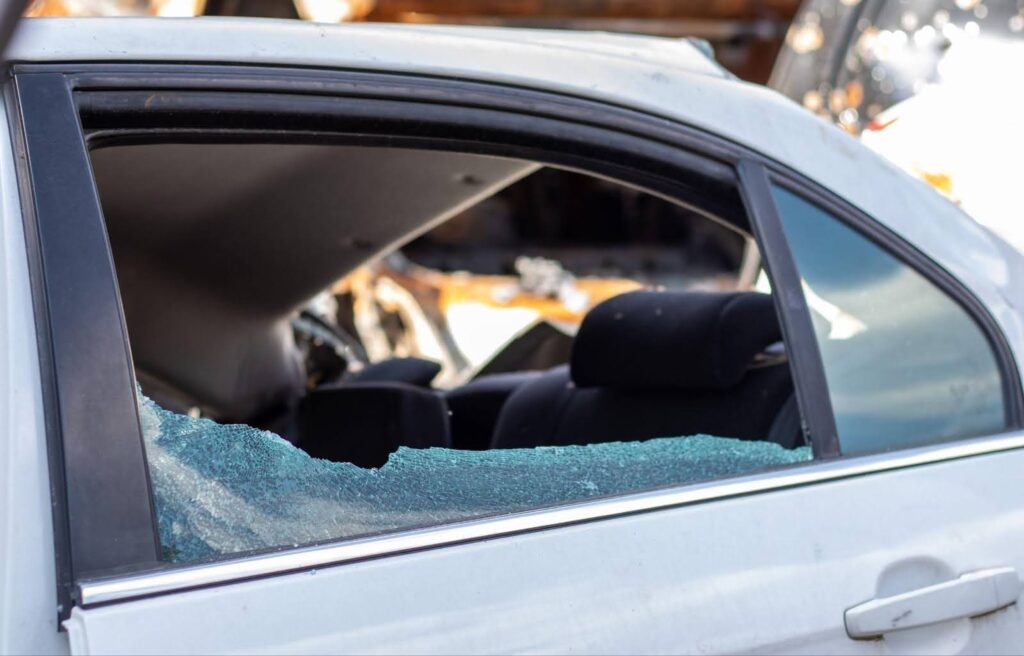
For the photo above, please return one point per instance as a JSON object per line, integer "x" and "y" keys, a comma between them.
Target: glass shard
{"x": 222, "y": 489}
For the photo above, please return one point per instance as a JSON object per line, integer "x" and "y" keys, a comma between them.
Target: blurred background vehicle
{"x": 934, "y": 85}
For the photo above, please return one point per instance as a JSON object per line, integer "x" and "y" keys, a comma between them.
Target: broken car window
{"x": 222, "y": 489}
{"x": 364, "y": 339}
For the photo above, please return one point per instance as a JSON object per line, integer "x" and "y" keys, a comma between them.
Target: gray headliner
{"x": 217, "y": 244}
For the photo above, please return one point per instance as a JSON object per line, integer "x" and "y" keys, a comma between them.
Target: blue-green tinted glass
{"x": 905, "y": 364}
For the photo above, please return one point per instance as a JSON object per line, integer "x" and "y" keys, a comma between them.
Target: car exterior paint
{"x": 747, "y": 573}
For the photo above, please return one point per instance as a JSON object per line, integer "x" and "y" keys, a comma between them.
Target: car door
{"x": 766, "y": 572}
{"x": 791, "y": 560}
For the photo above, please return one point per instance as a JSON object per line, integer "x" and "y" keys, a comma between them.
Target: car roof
{"x": 319, "y": 44}
{"x": 671, "y": 78}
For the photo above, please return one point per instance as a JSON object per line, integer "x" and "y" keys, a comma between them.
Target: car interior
{"x": 357, "y": 299}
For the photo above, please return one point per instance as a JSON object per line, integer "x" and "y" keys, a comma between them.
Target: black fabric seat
{"x": 363, "y": 423}
{"x": 659, "y": 364}
{"x": 475, "y": 406}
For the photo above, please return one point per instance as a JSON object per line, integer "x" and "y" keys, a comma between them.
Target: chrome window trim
{"x": 119, "y": 589}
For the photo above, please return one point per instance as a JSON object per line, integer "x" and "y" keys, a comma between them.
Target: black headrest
{"x": 414, "y": 371}
{"x": 658, "y": 340}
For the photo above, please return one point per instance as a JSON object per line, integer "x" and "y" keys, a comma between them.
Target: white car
{"x": 694, "y": 467}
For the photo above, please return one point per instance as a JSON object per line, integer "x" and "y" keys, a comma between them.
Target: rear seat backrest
{"x": 657, "y": 364}
{"x": 363, "y": 423}
{"x": 476, "y": 406}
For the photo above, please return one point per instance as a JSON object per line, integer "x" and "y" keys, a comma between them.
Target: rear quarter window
{"x": 906, "y": 365}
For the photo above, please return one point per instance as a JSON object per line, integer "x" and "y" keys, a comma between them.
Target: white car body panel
{"x": 737, "y": 575}
{"x": 749, "y": 573}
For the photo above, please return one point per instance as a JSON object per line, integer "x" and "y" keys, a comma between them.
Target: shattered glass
{"x": 223, "y": 489}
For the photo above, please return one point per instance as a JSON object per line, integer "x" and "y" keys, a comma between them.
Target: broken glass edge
{"x": 223, "y": 489}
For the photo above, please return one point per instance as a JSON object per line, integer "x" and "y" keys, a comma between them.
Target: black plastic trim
{"x": 523, "y": 101}
{"x": 89, "y": 388}
{"x": 812, "y": 394}
{"x": 158, "y": 78}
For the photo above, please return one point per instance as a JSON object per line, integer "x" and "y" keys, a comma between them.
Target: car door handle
{"x": 974, "y": 593}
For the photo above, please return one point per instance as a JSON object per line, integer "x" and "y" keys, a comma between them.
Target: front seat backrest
{"x": 658, "y": 364}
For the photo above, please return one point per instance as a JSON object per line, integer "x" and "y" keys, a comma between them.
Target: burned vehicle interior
{"x": 361, "y": 301}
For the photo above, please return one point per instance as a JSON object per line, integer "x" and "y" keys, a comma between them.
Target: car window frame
{"x": 139, "y": 576}
{"x": 908, "y": 255}
{"x": 46, "y": 136}
{"x": 818, "y": 421}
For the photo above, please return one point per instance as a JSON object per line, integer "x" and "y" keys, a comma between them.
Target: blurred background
{"x": 746, "y": 34}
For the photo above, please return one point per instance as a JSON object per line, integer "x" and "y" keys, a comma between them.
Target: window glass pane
{"x": 905, "y": 364}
